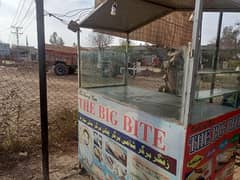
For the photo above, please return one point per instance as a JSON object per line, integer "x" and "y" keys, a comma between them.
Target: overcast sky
{"x": 8, "y": 10}
{"x": 210, "y": 24}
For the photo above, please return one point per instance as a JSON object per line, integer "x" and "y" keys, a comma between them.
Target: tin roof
{"x": 132, "y": 14}
{"x": 209, "y": 5}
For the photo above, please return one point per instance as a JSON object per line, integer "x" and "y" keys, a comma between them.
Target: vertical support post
{"x": 190, "y": 83}
{"x": 126, "y": 62}
{"x": 216, "y": 57}
{"x": 43, "y": 87}
{"x": 79, "y": 59}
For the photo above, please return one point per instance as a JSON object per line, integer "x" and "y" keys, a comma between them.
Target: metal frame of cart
{"x": 127, "y": 21}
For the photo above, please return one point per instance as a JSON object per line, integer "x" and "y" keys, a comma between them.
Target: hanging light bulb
{"x": 114, "y": 9}
{"x": 191, "y": 17}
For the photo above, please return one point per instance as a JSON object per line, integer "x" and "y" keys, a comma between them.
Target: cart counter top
{"x": 162, "y": 105}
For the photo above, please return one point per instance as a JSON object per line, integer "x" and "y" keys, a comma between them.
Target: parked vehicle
{"x": 63, "y": 59}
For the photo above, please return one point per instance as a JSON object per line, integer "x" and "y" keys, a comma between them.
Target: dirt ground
{"x": 19, "y": 100}
{"x": 19, "y": 117}
{"x": 63, "y": 165}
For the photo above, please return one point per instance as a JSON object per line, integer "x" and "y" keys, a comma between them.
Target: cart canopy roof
{"x": 132, "y": 14}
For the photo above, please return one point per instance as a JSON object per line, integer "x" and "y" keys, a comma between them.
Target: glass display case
{"x": 103, "y": 72}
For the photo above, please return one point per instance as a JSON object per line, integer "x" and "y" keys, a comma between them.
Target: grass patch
{"x": 63, "y": 128}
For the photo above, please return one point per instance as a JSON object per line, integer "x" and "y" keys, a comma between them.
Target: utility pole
{"x": 17, "y": 32}
{"x": 27, "y": 41}
{"x": 43, "y": 87}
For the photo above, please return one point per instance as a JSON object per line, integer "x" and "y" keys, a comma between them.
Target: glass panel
{"x": 209, "y": 36}
{"x": 218, "y": 88}
{"x": 229, "y": 57}
{"x": 102, "y": 65}
{"x": 155, "y": 77}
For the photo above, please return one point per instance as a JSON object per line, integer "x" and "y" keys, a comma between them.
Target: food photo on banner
{"x": 211, "y": 148}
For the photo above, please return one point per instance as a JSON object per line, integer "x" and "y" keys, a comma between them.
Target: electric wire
{"x": 76, "y": 14}
{"x": 31, "y": 14}
{"x": 30, "y": 7}
{"x": 47, "y": 13}
{"x": 18, "y": 7}
{"x": 68, "y": 14}
{"x": 20, "y": 13}
{"x": 29, "y": 24}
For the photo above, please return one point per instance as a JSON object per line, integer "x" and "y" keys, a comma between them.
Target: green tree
{"x": 101, "y": 41}
{"x": 56, "y": 40}
{"x": 230, "y": 37}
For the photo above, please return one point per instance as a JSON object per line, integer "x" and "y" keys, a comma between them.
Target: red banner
{"x": 210, "y": 148}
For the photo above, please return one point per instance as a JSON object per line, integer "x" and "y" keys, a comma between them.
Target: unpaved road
{"x": 63, "y": 165}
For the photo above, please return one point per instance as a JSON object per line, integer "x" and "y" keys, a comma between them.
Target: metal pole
{"x": 215, "y": 62}
{"x": 126, "y": 62}
{"x": 43, "y": 87}
{"x": 192, "y": 68}
{"x": 79, "y": 59}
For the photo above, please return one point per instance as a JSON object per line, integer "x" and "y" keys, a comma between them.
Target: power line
{"x": 18, "y": 7}
{"x": 29, "y": 23}
{"x": 76, "y": 14}
{"x": 56, "y": 17}
{"x": 67, "y": 14}
{"x": 83, "y": 14}
{"x": 26, "y": 13}
{"x": 18, "y": 15}
{"x": 80, "y": 13}
{"x": 31, "y": 15}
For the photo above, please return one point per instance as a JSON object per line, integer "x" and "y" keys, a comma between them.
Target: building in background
{"x": 4, "y": 51}
{"x": 23, "y": 53}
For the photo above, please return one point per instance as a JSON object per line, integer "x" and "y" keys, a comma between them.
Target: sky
{"x": 8, "y": 10}
{"x": 210, "y": 24}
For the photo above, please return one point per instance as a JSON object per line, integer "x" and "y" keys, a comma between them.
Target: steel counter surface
{"x": 156, "y": 103}
{"x": 162, "y": 105}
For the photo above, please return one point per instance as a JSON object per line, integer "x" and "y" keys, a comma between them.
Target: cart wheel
{"x": 61, "y": 69}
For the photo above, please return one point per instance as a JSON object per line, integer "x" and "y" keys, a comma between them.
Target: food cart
{"x": 128, "y": 132}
